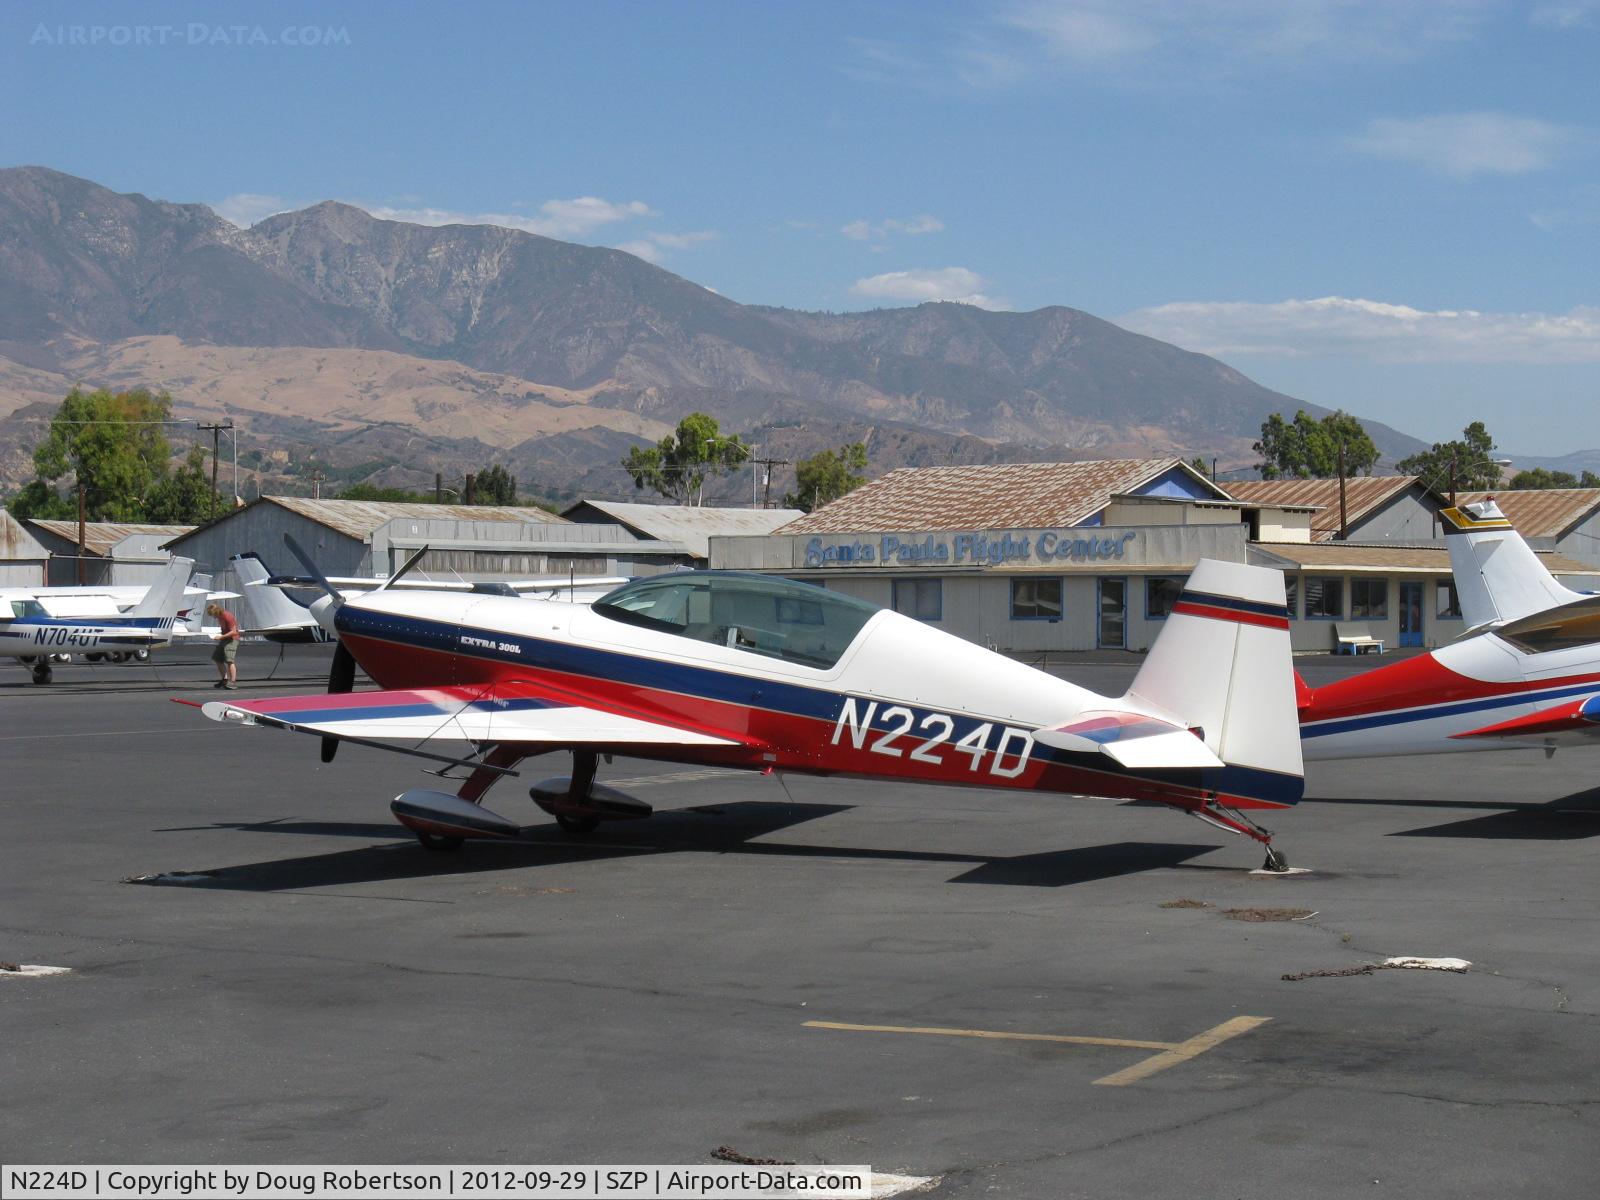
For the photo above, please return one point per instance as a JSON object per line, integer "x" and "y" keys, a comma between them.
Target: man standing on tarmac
{"x": 227, "y": 646}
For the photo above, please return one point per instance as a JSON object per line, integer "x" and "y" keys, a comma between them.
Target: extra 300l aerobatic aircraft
{"x": 1526, "y": 674}
{"x": 764, "y": 673}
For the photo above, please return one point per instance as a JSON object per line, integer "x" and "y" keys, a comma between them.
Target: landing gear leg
{"x": 584, "y": 765}
{"x": 1235, "y": 821}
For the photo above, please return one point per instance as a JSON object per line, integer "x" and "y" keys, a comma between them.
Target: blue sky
{"x": 1390, "y": 207}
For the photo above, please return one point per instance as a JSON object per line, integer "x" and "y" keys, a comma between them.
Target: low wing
{"x": 1137, "y": 741}
{"x": 1575, "y": 721}
{"x": 456, "y": 714}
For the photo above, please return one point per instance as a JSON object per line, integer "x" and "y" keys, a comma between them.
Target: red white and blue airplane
{"x": 1525, "y": 674}
{"x": 768, "y": 674}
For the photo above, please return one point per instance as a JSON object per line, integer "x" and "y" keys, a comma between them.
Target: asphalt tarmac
{"x": 321, "y": 990}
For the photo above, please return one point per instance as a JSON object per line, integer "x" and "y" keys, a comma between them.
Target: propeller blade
{"x": 410, "y": 562}
{"x": 341, "y": 679}
{"x": 312, "y": 569}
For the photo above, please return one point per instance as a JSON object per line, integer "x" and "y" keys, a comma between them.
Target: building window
{"x": 1369, "y": 599}
{"x": 1291, "y": 595}
{"x": 1324, "y": 596}
{"x": 1036, "y": 599}
{"x": 1161, "y": 592}
{"x": 920, "y": 598}
{"x": 1449, "y": 601}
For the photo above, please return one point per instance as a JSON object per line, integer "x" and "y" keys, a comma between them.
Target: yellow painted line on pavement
{"x": 1183, "y": 1051}
{"x": 1171, "y": 1053}
{"x": 995, "y": 1033}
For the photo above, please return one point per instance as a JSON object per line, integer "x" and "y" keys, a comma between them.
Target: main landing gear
{"x": 1235, "y": 821}
{"x": 443, "y": 822}
{"x": 40, "y": 666}
{"x": 579, "y": 804}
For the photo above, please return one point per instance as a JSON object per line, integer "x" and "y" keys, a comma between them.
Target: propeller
{"x": 341, "y": 679}
{"x": 342, "y": 674}
{"x": 312, "y": 569}
{"x": 409, "y": 563}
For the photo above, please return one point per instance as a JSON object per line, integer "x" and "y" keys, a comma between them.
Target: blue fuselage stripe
{"x": 1379, "y": 720}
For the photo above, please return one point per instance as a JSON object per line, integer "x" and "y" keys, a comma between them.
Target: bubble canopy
{"x": 759, "y": 614}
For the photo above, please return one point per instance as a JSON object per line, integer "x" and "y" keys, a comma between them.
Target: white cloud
{"x": 1467, "y": 144}
{"x": 862, "y": 231}
{"x": 1566, "y": 14}
{"x": 575, "y": 218}
{"x": 1140, "y": 42}
{"x": 927, "y": 283}
{"x": 653, "y": 247}
{"x": 1334, "y": 326}
{"x": 244, "y": 209}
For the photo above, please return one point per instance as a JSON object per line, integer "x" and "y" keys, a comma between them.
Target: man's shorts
{"x": 226, "y": 651}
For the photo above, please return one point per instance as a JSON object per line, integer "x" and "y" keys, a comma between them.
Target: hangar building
{"x": 114, "y": 553}
{"x": 1040, "y": 557}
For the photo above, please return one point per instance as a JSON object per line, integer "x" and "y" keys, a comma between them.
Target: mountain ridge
{"x": 86, "y": 273}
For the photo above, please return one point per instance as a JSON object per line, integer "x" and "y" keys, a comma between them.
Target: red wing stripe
{"x": 1190, "y": 609}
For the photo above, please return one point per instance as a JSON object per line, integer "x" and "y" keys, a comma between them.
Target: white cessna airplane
{"x": 31, "y": 632}
{"x": 766, "y": 674}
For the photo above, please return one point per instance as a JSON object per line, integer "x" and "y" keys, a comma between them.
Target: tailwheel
{"x": 577, "y": 826}
{"x": 1276, "y": 862}
{"x": 439, "y": 842}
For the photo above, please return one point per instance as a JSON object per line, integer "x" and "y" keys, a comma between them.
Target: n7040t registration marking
{"x": 897, "y": 731}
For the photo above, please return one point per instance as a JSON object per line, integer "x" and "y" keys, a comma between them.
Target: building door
{"x": 1411, "y": 613}
{"x": 1113, "y": 634}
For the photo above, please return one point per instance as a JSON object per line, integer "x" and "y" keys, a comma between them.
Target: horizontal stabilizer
{"x": 1136, "y": 741}
{"x": 1577, "y": 717}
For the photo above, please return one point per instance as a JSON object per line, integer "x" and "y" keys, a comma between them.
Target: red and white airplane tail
{"x": 1498, "y": 578}
{"x": 1222, "y": 668}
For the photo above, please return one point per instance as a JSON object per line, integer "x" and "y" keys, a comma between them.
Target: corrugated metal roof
{"x": 358, "y": 518}
{"x": 1358, "y": 556}
{"x": 1541, "y": 512}
{"x": 100, "y": 536}
{"x": 1363, "y": 495}
{"x": 693, "y": 527}
{"x": 16, "y": 543}
{"x": 994, "y": 496}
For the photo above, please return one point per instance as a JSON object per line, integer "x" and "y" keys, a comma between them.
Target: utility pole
{"x": 316, "y": 482}
{"x": 469, "y": 489}
{"x": 438, "y": 487}
{"x": 216, "y": 440}
{"x": 766, "y": 477}
{"x": 1344, "y": 520}
{"x": 83, "y": 531}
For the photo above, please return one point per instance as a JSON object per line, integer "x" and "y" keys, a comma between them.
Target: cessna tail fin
{"x": 1498, "y": 578}
{"x": 164, "y": 597}
{"x": 266, "y": 607}
{"x": 1222, "y": 669}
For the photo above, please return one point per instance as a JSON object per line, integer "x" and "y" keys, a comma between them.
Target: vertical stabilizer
{"x": 1223, "y": 667}
{"x": 164, "y": 597}
{"x": 1498, "y": 578}
{"x": 265, "y": 606}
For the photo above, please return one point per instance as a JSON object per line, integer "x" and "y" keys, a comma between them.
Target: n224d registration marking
{"x": 895, "y": 737}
